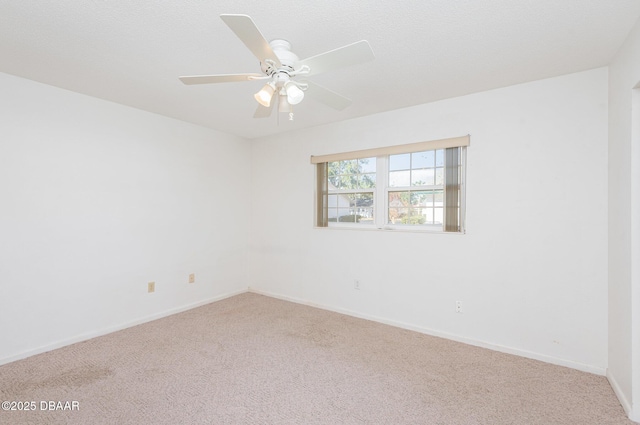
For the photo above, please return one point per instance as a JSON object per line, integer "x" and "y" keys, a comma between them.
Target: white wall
{"x": 624, "y": 225}
{"x": 98, "y": 199}
{"x": 532, "y": 268}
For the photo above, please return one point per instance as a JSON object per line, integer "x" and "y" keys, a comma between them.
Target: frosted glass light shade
{"x": 284, "y": 105}
{"x": 294, "y": 94}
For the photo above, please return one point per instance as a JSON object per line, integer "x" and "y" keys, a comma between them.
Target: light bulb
{"x": 265, "y": 94}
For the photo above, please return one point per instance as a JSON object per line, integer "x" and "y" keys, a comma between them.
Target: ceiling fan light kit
{"x": 279, "y": 65}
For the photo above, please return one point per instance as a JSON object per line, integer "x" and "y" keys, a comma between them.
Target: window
{"x": 352, "y": 184}
{"x": 416, "y": 186}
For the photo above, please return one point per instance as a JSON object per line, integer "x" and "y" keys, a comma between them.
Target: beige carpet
{"x": 251, "y": 359}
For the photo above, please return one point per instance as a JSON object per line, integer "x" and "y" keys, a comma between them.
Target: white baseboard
{"x": 110, "y": 329}
{"x": 503, "y": 349}
{"x": 626, "y": 404}
{"x": 427, "y": 331}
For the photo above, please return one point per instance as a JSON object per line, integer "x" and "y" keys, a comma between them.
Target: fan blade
{"x": 263, "y": 111}
{"x": 221, "y": 78}
{"x": 326, "y": 96}
{"x": 348, "y": 55}
{"x": 250, "y": 35}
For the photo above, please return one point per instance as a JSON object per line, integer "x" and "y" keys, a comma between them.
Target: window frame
{"x": 382, "y": 188}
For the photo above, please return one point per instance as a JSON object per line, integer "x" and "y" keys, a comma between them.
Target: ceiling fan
{"x": 285, "y": 74}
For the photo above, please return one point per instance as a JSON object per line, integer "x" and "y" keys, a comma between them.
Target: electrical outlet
{"x": 356, "y": 284}
{"x": 151, "y": 287}
{"x": 192, "y": 278}
{"x": 458, "y": 306}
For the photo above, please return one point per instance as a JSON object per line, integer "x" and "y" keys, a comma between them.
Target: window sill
{"x": 391, "y": 229}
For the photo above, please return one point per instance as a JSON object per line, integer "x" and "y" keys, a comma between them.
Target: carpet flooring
{"x": 252, "y": 359}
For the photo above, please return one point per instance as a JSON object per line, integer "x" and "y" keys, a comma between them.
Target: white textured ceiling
{"x": 132, "y": 52}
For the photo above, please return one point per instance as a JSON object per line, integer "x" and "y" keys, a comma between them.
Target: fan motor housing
{"x": 288, "y": 59}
